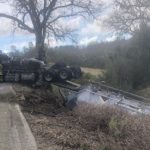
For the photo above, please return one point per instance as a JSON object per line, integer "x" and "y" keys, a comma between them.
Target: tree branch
{"x": 49, "y": 10}
{"x": 66, "y": 16}
{"x": 128, "y": 15}
{"x": 23, "y": 25}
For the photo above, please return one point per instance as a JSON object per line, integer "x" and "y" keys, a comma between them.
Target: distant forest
{"x": 127, "y": 62}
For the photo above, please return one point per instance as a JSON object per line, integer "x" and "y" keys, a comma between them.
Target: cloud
{"x": 5, "y": 26}
{"x": 86, "y": 41}
{"x": 71, "y": 23}
{"x": 107, "y": 2}
{"x": 19, "y": 45}
{"x": 91, "y": 29}
{"x": 88, "y": 31}
{"x": 54, "y": 43}
{"x": 111, "y": 38}
{"x": 74, "y": 23}
{"x": 5, "y": 8}
{"x": 19, "y": 41}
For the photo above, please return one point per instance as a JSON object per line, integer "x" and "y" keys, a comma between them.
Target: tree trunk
{"x": 40, "y": 47}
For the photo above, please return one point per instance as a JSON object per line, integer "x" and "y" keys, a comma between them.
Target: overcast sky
{"x": 87, "y": 32}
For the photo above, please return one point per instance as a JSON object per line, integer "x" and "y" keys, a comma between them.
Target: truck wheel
{"x": 64, "y": 74}
{"x": 77, "y": 73}
{"x": 48, "y": 76}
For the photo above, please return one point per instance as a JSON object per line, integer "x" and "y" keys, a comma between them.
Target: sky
{"x": 87, "y": 32}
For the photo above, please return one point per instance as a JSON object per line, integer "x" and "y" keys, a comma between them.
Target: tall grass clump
{"x": 115, "y": 129}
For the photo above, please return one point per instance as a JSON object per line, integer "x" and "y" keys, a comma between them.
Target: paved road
{"x": 15, "y": 133}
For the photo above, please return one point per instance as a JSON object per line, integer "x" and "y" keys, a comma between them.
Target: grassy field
{"x": 144, "y": 92}
{"x": 92, "y": 71}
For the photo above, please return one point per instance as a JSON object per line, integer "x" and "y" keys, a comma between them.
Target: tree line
{"x": 126, "y": 61}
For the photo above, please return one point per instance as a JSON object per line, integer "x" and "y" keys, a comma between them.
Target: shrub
{"x": 89, "y": 76}
{"x": 115, "y": 128}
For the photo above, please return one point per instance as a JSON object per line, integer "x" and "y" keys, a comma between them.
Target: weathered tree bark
{"x": 40, "y": 40}
{"x": 40, "y": 48}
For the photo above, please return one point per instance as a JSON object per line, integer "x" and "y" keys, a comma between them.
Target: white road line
{"x": 31, "y": 140}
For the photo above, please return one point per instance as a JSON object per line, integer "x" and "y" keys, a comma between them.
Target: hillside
{"x": 84, "y": 128}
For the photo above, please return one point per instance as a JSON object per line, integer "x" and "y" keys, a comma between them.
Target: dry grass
{"x": 144, "y": 92}
{"x": 86, "y": 127}
{"x": 92, "y": 71}
{"x": 91, "y": 128}
{"x": 116, "y": 129}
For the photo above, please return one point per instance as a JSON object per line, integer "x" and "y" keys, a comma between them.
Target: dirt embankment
{"x": 85, "y": 128}
{"x": 54, "y": 126}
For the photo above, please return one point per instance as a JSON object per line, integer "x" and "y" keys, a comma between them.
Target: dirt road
{"x": 15, "y": 133}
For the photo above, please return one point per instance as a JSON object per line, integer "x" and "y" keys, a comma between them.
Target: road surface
{"x": 15, "y": 133}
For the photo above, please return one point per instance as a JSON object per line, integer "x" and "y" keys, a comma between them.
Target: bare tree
{"x": 44, "y": 18}
{"x": 128, "y": 15}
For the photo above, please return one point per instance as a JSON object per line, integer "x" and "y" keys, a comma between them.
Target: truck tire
{"x": 64, "y": 74}
{"x": 77, "y": 73}
{"x": 48, "y": 76}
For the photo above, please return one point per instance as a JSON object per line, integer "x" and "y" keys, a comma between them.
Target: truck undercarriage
{"x": 36, "y": 72}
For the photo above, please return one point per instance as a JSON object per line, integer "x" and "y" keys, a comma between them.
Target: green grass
{"x": 144, "y": 92}
{"x": 92, "y": 71}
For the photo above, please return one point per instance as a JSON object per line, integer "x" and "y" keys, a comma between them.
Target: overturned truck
{"x": 35, "y": 71}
